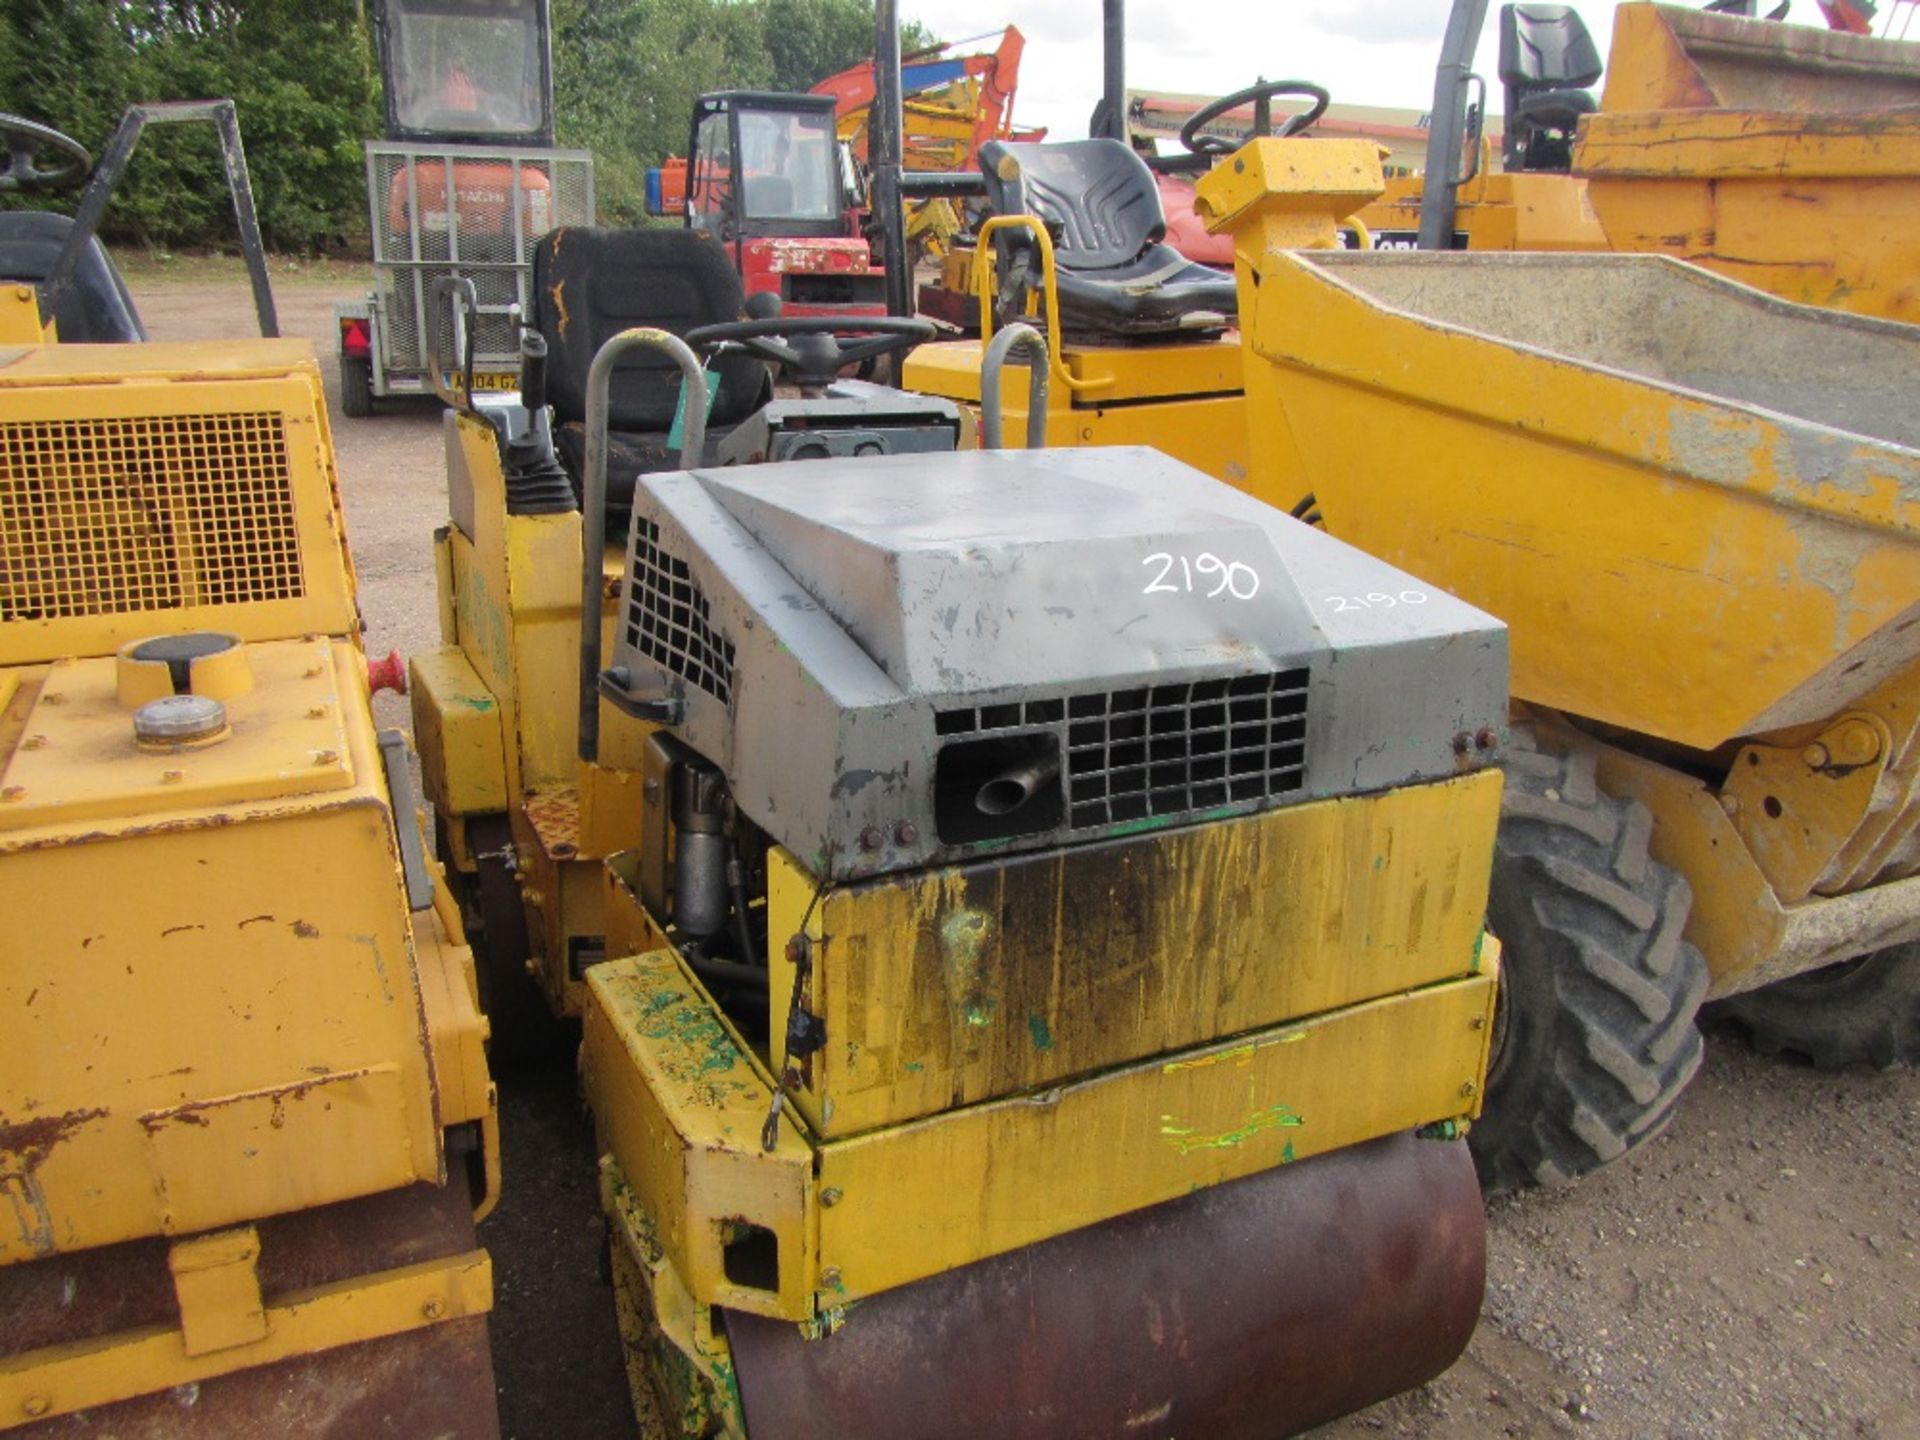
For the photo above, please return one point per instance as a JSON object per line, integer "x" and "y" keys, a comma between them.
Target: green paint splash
{"x": 1185, "y": 1140}
{"x": 1037, "y": 1028}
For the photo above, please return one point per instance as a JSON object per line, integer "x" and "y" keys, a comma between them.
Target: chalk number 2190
{"x": 1235, "y": 577}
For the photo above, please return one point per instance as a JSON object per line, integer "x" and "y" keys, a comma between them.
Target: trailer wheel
{"x": 1594, "y": 1035}
{"x": 1860, "y": 1012}
{"x": 356, "y": 388}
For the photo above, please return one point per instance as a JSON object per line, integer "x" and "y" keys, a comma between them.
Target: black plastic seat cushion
{"x": 1101, "y": 205}
{"x": 96, "y": 309}
{"x": 589, "y": 285}
{"x": 1553, "y": 109}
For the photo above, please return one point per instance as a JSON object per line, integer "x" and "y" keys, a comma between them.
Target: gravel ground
{"x": 1753, "y": 1273}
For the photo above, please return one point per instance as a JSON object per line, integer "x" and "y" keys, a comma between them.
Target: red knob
{"x": 387, "y": 674}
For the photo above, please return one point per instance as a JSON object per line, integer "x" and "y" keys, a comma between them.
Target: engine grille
{"x": 1166, "y": 749}
{"x": 1171, "y": 749}
{"x": 669, "y": 622}
{"x": 108, "y": 516}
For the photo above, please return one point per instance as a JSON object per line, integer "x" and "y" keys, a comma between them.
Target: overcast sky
{"x": 1367, "y": 52}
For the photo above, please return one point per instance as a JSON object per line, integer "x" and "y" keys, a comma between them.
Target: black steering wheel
{"x": 25, "y": 139}
{"x": 1260, "y": 94}
{"x": 817, "y": 355}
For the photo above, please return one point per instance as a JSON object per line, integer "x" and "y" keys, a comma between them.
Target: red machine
{"x": 765, "y": 175}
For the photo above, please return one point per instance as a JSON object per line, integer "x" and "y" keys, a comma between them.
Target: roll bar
{"x": 593, "y": 499}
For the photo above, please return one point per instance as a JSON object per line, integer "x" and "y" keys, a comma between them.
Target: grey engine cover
{"x": 861, "y": 645}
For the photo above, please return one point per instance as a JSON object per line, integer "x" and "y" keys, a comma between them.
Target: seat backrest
{"x": 96, "y": 308}
{"x": 1097, "y": 197}
{"x": 1545, "y": 50}
{"x": 589, "y": 285}
{"x": 1546, "y": 47}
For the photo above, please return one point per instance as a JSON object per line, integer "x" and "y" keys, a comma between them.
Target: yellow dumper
{"x": 1696, "y": 506}
{"x": 1784, "y": 156}
{"x": 1781, "y": 155}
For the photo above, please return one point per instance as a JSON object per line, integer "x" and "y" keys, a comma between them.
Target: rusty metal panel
{"x": 431, "y": 1375}
{"x": 680, "y": 1104}
{"x": 923, "y": 1197}
{"x": 219, "y": 968}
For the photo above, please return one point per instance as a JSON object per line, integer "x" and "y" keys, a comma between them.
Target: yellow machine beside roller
{"x": 246, "y": 1124}
{"x": 1784, "y": 156}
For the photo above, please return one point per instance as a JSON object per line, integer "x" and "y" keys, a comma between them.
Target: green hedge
{"x": 625, "y": 76}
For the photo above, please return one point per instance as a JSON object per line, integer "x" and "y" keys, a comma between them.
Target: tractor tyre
{"x": 1594, "y": 1035}
{"x": 1864, "y": 1011}
{"x": 521, "y": 1027}
{"x": 356, "y": 388}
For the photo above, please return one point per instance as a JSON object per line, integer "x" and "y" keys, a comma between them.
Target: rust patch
{"x": 31, "y": 1141}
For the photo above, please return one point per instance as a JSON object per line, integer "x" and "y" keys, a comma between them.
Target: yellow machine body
{"x": 1631, "y": 461}
{"x": 1022, "y": 1048}
{"x": 1783, "y": 156}
{"x": 495, "y": 721}
{"x": 1498, "y": 210}
{"x": 236, "y": 1017}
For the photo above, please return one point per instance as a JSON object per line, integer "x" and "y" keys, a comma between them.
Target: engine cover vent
{"x": 106, "y": 516}
{"x": 670, "y": 622}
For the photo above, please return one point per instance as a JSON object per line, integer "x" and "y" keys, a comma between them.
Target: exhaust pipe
{"x": 1014, "y": 786}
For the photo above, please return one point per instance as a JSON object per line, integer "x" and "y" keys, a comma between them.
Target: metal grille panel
{"x": 108, "y": 516}
{"x": 483, "y": 226}
{"x": 669, "y": 622}
{"x": 1165, "y": 749}
{"x": 1174, "y": 749}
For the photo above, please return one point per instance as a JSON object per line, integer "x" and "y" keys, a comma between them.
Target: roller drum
{"x": 1245, "y": 1311}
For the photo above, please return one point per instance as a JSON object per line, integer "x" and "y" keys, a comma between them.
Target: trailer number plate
{"x": 496, "y": 380}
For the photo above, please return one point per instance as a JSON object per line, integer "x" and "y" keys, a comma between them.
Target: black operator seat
{"x": 1547, "y": 61}
{"x": 96, "y": 309}
{"x": 588, "y": 286}
{"x": 1117, "y": 278}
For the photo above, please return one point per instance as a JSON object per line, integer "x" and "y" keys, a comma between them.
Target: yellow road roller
{"x": 246, "y": 1124}
{"x": 1698, "y": 507}
{"x": 1028, "y": 933}
{"x": 1053, "y": 954}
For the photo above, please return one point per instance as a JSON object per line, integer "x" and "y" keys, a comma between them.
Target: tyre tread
{"x": 1621, "y": 981}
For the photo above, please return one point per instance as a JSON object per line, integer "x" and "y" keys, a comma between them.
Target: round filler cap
{"x": 179, "y": 720}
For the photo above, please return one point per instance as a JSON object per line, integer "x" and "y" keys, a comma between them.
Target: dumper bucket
{"x": 1781, "y": 155}
{"x": 1697, "y": 506}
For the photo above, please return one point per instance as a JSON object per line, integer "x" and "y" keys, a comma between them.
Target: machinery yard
{"x": 994, "y": 786}
{"x": 1753, "y": 1273}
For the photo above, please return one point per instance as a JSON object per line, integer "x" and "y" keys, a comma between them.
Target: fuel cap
{"x": 179, "y": 720}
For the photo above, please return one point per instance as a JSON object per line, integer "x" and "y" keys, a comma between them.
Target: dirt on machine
{"x": 246, "y": 1120}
